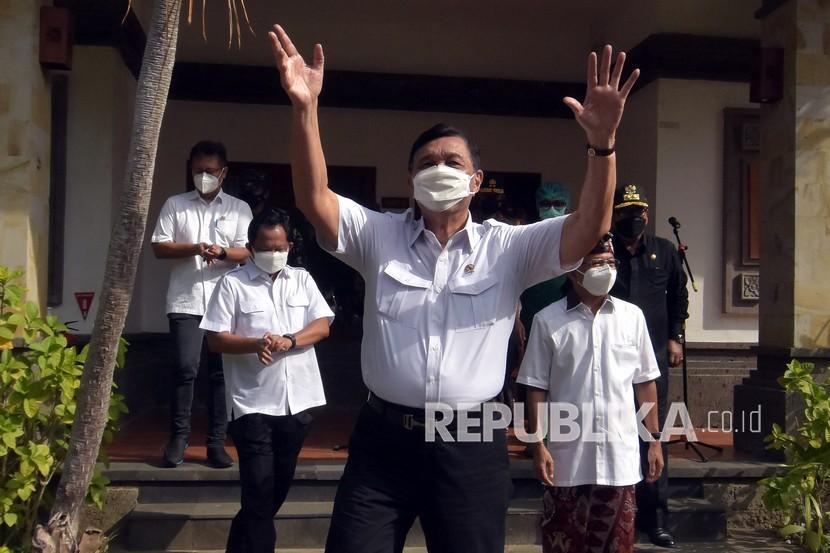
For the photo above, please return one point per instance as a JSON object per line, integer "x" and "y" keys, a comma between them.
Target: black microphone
{"x": 674, "y": 222}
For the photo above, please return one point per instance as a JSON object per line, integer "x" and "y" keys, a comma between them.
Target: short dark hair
{"x": 269, "y": 218}
{"x": 207, "y": 148}
{"x": 442, "y": 130}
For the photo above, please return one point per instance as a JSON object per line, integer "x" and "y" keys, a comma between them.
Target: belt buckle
{"x": 409, "y": 422}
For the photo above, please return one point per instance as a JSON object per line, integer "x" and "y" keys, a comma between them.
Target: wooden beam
{"x": 361, "y": 90}
{"x": 663, "y": 55}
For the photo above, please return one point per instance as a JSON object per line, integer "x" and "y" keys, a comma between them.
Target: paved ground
{"x": 744, "y": 541}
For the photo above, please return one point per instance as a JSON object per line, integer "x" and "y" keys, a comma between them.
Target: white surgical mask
{"x": 205, "y": 182}
{"x": 271, "y": 262}
{"x": 598, "y": 281}
{"x": 440, "y": 187}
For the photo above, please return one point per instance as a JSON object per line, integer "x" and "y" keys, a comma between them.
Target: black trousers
{"x": 268, "y": 447}
{"x": 652, "y": 498}
{"x": 458, "y": 490}
{"x": 188, "y": 341}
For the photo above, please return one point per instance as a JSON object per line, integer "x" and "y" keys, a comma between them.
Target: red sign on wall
{"x": 84, "y": 300}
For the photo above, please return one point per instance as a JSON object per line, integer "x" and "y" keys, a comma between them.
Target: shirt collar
{"x": 255, "y": 273}
{"x": 417, "y": 228}
{"x": 194, "y": 195}
{"x": 573, "y": 301}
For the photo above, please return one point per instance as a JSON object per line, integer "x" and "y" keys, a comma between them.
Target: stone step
{"x": 200, "y": 526}
{"x": 205, "y": 525}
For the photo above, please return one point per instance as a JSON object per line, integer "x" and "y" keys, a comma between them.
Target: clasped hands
{"x": 209, "y": 252}
{"x": 269, "y": 344}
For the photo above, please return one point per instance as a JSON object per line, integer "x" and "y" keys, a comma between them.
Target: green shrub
{"x": 801, "y": 492}
{"x": 39, "y": 378}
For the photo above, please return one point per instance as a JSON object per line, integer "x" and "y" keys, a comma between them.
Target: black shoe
{"x": 661, "y": 538}
{"x": 174, "y": 452}
{"x": 218, "y": 458}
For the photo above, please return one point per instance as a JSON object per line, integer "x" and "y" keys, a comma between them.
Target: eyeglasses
{"x": 215, "y": 172}
{"x": 597, "y": 263}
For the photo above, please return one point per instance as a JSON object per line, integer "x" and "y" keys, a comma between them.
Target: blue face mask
{"x": 550, "y": 212}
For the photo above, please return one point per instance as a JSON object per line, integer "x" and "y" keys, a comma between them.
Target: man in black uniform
{"x": 650, "y": 275}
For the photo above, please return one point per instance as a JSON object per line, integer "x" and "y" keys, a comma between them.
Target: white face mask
{"x": 598, "y": 281}
{"x": 440, "y": 187}
{"x": 205, "y": 182}
{"x": 271, "y": 262}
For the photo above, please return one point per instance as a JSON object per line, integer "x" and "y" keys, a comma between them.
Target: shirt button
{"x": 435, "y": 348}
{"x": 442, "y": 260}
{"x": 431, "y": 379}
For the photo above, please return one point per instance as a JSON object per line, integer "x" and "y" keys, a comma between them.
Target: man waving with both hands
{"x": 441, "y": 293}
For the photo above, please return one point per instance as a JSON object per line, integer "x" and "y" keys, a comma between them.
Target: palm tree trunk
{"x": 122, "y": 261}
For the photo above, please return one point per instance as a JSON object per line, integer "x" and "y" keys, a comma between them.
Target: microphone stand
{"x": 693, "y": 445}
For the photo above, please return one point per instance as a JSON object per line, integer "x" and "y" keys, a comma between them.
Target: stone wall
{"x": 25, "y": 123}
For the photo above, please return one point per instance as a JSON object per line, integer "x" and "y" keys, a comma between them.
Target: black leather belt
{"x": 399, "y": 415}
{"x": 407, "y": 417}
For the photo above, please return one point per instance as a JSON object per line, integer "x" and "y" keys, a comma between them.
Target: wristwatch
{"x": 599, "y": 152}
{"x": 679, "y": 338}
{"x": 293, "y": 340}
{"x": 222, "y": 255}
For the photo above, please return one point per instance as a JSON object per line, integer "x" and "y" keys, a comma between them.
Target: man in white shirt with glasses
{"x": 202, "y": 234}
{"x": 584, "y": 353}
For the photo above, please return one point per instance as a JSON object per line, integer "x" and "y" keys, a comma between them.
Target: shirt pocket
{"x": 402, "y": 294}
{"x": 473, "y": 302}
{"x": 297, "y": 305}
{"x": 254, "y": 317}
{"x": 627, "y": 356}
{"x": 657, "y": 278}
{"x": 226, "y": 231}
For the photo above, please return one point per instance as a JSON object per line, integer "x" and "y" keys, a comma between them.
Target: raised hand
{"x": 301, "y": 82}
{"x": 600, "y": 112}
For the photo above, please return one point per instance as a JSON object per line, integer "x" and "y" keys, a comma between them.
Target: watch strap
{"x": 599, "y": 152}
{"x": 293, "y": 340}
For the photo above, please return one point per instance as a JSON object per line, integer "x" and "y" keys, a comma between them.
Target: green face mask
{"x": 549, "y": 212}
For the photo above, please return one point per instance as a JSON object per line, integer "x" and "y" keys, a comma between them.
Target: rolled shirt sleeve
{"x": 537, "y": 362}
{"x": 221, "y": 309}
{"x": 359, "y": 231}
{"x": 318, "y": 308}
{"x": 242, "y": 223}
{"x": 535, "y": 249}
{"x": 165, "y": 225}
{"x": 648, "y": 368}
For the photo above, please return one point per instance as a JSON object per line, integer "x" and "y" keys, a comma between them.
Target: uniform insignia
{"x": 631, "y": 194}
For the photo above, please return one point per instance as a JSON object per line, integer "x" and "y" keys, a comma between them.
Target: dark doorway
{"x": 266, "y": 185}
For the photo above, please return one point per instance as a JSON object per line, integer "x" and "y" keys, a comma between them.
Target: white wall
{"x": 101, "y": 92}
{"x": 670, "y": 142}
{"x": 690, "y": 187}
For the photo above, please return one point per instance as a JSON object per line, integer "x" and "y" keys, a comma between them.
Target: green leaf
{"x": 789, "y": 530}
{"x": 31, "y": 310}
{"x": 10, "y": 438}
{"x": 10, "y": 519}
{"x": 6, "y": 334}
{"x": 30, "y": 407}
{"x": 813, "y": 541}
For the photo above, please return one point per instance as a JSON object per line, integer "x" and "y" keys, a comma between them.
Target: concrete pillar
{"x": 25, "y": 110}
{"x": 794, "y": 317}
